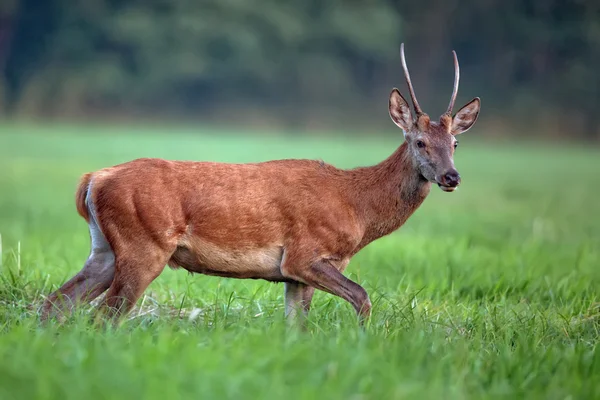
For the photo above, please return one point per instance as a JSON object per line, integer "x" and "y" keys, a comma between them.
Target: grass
{"x": 488, "y": 292}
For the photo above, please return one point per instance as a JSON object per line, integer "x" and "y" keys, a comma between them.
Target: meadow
{"x": 489, "y": 292}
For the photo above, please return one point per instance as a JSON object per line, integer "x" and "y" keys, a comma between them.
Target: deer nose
{"x": 451, "y": 178}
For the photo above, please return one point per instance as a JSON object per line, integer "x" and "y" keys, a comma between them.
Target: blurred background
{"x": 302, "y": 65}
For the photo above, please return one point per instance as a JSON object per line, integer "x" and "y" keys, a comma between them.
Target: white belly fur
{"x": 207, "y": 258}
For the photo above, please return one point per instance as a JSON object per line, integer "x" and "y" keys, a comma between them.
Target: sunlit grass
{"x": 491, "y": 291}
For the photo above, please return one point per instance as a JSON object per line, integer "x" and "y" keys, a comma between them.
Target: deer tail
{"x": 81, "y": 195}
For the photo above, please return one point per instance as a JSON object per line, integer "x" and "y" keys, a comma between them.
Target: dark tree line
{"x": 534, "y": 63}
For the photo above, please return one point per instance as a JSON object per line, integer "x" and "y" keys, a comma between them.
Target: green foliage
{"x": 488, "y": 292}
{"x": 532, "y": 62}
{"x": 162, "y": 54}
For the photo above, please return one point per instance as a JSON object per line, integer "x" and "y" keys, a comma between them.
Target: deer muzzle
{"x": 449, "y": 181}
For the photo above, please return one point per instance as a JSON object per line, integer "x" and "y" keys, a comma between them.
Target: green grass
{"x": 488, "y": 292}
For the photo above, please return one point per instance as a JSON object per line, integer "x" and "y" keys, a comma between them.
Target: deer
{"x": 292, "y": 221}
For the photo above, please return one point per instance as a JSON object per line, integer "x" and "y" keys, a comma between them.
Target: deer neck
{"x": 388, "y": 193}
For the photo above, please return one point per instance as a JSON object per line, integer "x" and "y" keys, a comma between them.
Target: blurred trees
{"x": 533, "y": 63}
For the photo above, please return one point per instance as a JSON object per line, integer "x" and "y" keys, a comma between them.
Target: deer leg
{"x": 95, "y": 277}
{"x": 326, "y": 277}
{"x": 307, "y": 295}
{"x": 298, "y": 297}
{"x": 133, "y": 274}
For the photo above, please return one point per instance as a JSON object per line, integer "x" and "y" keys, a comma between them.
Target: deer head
{"x": 431, "y": 144}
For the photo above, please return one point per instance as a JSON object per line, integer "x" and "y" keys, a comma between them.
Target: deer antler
{"x": 409, "y": 83}
{"x": 456, "y": 79}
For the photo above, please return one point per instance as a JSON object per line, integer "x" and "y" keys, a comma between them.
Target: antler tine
{"x": 456, "y": 79}
{"x": 409, "y": 83}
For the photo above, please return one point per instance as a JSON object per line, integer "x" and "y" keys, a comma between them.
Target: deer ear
{"x": 400, "y": 111}
{"x": 465, "y": 117}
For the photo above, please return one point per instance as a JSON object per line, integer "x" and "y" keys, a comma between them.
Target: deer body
{"x": 292, "y": 221}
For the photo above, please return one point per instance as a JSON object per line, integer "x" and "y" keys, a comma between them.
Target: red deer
{"x": 294, "y": 221}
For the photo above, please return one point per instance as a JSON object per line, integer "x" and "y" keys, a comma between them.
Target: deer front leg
{"x": 324, "y": 276}
{"x": 298, "y": 297}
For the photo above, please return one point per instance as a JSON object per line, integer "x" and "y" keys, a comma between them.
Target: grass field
{"x": 489, "y": 292}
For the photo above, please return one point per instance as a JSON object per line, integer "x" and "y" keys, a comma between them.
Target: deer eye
{"x": 456, "y": 144}
{"x": 420, "y": 144}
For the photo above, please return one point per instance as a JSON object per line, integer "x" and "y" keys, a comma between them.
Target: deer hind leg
{"x": 136, "y": 267}
{"x": 95, "y": 277}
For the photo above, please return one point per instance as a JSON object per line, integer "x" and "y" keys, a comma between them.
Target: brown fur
{"x": 272, "y": 220}
{"x": 423, "y": 123}
{"x": 80, "y": 196}
{"x": 293, "y": 221}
